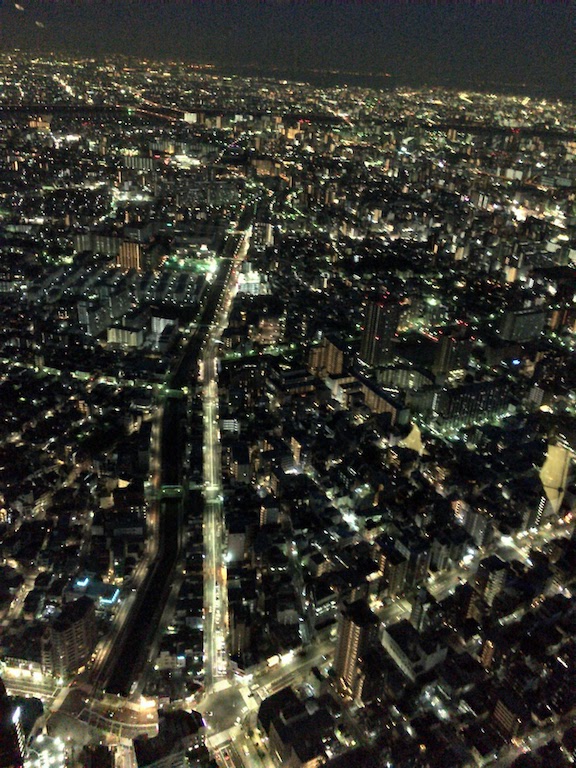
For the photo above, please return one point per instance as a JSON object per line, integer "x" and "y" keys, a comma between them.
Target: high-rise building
{"x": 490, "y": 578}
{"x": 422, "y": 608}
{"x": 451, "y": 354}
{"x": 522, "y": 324}
{"x": 70, "y": 639}
{"x": 357, "y": 631}
{"x": 327, "y": 358}
{"x": 380, "y": 325}
{"x": 510, "y": 714}
{"x": 535, "y": 512}
{"x": 404, "y": 561}
{"x": 468, "y": 403}
{"x": 12, "y": 742}
{"x": 477, "y": 523}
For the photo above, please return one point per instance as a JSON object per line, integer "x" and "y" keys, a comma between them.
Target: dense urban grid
{"x": 288, "y": 421}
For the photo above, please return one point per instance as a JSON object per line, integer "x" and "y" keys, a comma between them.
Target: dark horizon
{"x": 501, "y": 46}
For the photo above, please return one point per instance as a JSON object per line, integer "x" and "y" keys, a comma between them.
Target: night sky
{"x": 527, "y": 44}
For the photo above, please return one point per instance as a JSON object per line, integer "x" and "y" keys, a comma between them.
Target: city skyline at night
{"x": 527, "y": 46}
{"x": 287, "y": 404}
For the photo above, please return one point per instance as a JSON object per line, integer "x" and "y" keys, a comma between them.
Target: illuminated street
{"x": 215, "y": 590}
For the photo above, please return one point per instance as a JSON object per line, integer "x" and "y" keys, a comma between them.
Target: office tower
{"x": 380, "y": 324}
{"x": 70, "y": 639}
{"x": 357, "y": 631}
{"x": 12, "y": 743}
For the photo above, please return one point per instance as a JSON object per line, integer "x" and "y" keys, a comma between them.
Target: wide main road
{"x": 215, "y": 590}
